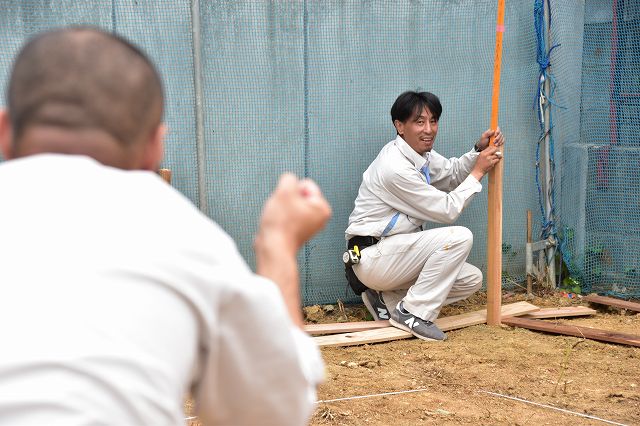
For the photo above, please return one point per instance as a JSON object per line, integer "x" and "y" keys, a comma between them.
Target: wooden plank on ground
{"x": 612, "y": 301}
{"x": 361, "y": 337}
{"x": 445, "y": 324}
{"x": 567, "y": 311}
{"x": 574, "y": 330}
{"x": 350, "y": 327}
{"x": 344, "y": 327}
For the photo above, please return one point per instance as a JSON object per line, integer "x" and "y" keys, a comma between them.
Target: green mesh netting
{"x": 600, "y": 122}
{"x": 256, "y": 88}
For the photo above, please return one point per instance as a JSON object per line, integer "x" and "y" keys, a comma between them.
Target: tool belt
{"x": 362, "y": 242}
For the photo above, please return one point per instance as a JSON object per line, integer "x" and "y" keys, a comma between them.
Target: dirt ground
{"x": 454, "y": 377}
{"x": 466, "y": 379}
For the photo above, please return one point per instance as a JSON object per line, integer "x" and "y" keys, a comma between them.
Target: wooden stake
{"x": 166, "y": 175}
{"x": 529, "y": 240}
{"x": 494, "y": 232}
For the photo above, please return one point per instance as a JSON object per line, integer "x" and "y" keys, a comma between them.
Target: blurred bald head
{"x": 85, "y": 86}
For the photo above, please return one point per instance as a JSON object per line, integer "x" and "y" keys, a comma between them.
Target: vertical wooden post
{"x": 529, "y": 240}
{"x": 494, "y": 231}
{"x": 166, "y": 175}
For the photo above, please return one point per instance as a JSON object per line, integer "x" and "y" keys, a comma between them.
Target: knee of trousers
{"x": 463, "y": 236}
{"x": 476, "y": 279}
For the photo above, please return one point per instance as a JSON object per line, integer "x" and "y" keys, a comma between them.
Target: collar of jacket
{"x": 418, "y": 160}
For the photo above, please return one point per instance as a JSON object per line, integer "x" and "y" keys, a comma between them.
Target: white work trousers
{"x": 426, "y": 269}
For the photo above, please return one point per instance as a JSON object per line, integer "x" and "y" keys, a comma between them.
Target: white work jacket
{"x": 393, "y": 185}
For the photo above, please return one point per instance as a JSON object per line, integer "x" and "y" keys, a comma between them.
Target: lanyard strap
{"x": 390, "y": 225}
{"x": 394, "y": 219}
{"x": 425, "y": 172}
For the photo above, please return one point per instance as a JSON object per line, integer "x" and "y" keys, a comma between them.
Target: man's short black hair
{"x": 83, "y": 78}
{"x": 411, "y": 104}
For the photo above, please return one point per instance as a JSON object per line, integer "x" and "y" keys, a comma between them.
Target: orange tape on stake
{"x": 494, "y": 224}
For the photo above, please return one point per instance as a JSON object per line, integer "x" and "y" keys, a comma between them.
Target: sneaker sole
{"x": 405, "y": 328}
{"x": 370, "y": 308}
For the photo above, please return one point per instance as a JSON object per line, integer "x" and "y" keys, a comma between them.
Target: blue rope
{"x": 543, "y": 103}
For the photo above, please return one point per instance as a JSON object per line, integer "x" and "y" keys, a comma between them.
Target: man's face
{"x": 419, "y": 131}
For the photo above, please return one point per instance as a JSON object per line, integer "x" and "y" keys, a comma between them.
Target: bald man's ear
{"x": 154, "y": 149}
{"x": 6, "y": 135}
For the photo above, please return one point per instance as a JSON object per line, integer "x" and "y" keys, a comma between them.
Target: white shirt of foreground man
{"x": 118, "y": 298}
{"x": 113, "y": 315}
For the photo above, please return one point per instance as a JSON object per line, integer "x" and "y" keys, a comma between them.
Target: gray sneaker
{"x": 405, "y": 320}
{"x": 376, "y": 306}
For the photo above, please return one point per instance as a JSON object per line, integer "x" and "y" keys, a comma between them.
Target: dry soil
{"x": 473, "y": 376}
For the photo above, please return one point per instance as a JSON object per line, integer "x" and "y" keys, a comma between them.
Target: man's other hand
{"x": 294, "y": 213}
{"x": 483, "y": 142}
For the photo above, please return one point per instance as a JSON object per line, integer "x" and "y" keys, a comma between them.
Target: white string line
{"x": 353, "y": 397}
{"x": 553, "y": 408}
{"x": 372, "y": 395}
{"x": 490, "y": 393}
